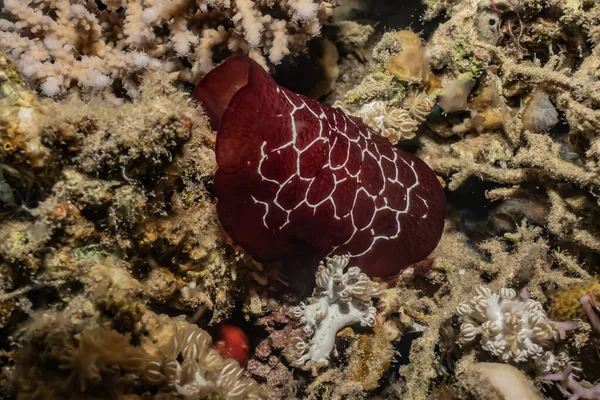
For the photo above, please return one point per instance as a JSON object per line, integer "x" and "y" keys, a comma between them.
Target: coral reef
{"x": 89, "y": 189}
{"x": 91, "y": 46}
{"x": 115, "y": 270}
{"x": 515, "y": 125}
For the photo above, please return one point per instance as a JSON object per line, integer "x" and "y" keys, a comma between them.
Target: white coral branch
{"x": 66, "y": 43}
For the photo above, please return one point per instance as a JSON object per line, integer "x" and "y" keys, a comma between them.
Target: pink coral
{"x": 569, "y": 386}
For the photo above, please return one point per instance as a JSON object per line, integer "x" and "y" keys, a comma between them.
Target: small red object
{"x": 232, "y": 342}
{"x": 298, "y": 180}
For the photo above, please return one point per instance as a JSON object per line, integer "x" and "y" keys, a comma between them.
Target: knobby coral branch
{"x": 67, "y": 43}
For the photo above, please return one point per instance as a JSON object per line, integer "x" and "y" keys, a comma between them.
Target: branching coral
{"x": 490, "y": 157}
{"x": 564, "y": 222}
{"x": 520, "y": 256}
{"x": 569, "y": 386}
{"x": 340, "y": 299}
{"x": 63, "y": 44}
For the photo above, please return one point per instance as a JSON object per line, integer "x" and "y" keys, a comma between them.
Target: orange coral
{"x": 566, "y": 304}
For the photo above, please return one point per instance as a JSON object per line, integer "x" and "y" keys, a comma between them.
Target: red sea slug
{"x": 232, "y": 342}
{"x": 297, "y": 179}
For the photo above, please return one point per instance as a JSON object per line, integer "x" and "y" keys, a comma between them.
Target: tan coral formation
{"x": 494, "y": 381}
{"x": 94, "y": 238}
{"x": 172, "y": 353}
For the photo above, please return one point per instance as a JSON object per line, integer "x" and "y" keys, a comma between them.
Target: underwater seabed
{"x": 121, "y": 278}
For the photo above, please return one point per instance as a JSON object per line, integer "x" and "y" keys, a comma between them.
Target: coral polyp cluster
{"x": 181, "y": 354}
{"x": 395, "y": 124}
{"x": 340, "y": 299}
{"x": 511, "y": 328}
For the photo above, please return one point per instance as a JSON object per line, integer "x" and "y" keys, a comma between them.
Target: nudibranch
{"x": 297, "y": 178}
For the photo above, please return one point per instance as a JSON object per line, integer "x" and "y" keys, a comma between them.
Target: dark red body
{"x": 298, "y": 180}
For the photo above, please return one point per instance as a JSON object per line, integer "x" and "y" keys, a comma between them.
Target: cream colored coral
{"x": 67, "y": 48}
{"x": 181, "y": 354}
{"x": 393, "y": 123}
{"x": 418, "y": 105}
{"x": 511, "y": 328}
{"x": 68, "y": 43}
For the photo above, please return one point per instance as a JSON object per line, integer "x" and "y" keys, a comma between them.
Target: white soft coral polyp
{"x": 511, "y": 328}
{"x": 339, "y": 300}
